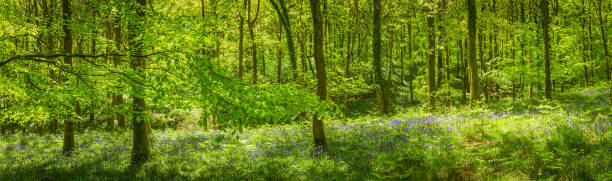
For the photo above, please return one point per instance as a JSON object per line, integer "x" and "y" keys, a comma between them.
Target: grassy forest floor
{"x": 566, "y": 139}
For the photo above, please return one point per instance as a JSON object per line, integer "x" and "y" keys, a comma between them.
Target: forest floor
{"x": 528, "y": 139}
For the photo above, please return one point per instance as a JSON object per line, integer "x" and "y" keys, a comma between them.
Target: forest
{"x": 305, "y": 90}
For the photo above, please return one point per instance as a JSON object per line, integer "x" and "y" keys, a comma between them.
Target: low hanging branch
{"x": 42, "y": 57}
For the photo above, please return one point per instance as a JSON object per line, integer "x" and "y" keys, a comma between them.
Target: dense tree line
{"x": 77, "y": 64}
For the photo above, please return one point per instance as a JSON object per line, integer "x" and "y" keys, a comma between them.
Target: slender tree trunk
{"x": 318, "y": 127}
{"x": 402, "y": 58}
{"x": 432, "y": 60}
{"x": 279, "y": 54}
{"x": 410, "y": 62}
{"x": 602, "y": 28}
{"x": 118, "y": 98}
{"x": 584, "y": 54}
{"x": 471, "y": 46}
{"x": 604, "y": 38}
{"x": 251, "y": 24}
{"x": 283, "y": 13}
{"x": 263, "y": 64}
{"x": 448, "y": 70}
{"x": 41, "y": 128}
{"x": 483, "y": 64}
{"x": 303, "y": 54}
{"x": 591, "y": 50}
{"x": 545, "y": 20}
{"x": 141, "y": 150}
{"x": 464, "y": 77}
{"x": 241, "y": 40}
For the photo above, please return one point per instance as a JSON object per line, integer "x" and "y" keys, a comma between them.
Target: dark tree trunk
{"x": 432, "y": 60}
{"x": 381, "y": 90}
{"x": 68, "y": 145}
{"x": 318, "y": 128}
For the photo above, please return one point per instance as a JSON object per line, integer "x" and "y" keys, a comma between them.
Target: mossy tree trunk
{"x": 471, "y": 46}
{"x": 381, "y": 91}
{"x": 141, "y": 150}
{"x": 318, "y": 128}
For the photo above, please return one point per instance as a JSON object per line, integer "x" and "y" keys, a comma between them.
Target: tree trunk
{"x": 432, "y": 60}
{"x": 53, "y": 126}
{"x": 584, "y": 54}
{"x": 241, "y": 40}
{"x": 41, "y": 129}
{"x": 483, "y": 65}
{"x": 263, "y": 64}
{"x": 381, "y": 90}
{"x": 602, "y": 28}
{"x": 118, "y": 98}
{"x": 251, "y": 24}
{"x": 141, "y": 150}
{"x": 410, "y": 62}
{"x": 318, "y": 128}
{"x": 548, "y": 82}
{"x": 279, "y": 58}
{"x": 283, "y": 14}
{"x": 471, "y": 46}
{"x": 68, "y": 146}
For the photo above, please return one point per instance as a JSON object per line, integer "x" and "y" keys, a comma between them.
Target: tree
{"x": 381, "y": 90}
{"x": 283, "y": 15}
{"x": 117, "y": 97}
{"x": 141, "y": 150}
{"x": 545, "y": 20}
{"x": 431, "y": 57}
{"x": 241, "y": 39}
{"x": 68, "y": 146}
{"x": 471, "y": 45}
{"x": 318, "y": 129}
{"x": 251, "y": 22}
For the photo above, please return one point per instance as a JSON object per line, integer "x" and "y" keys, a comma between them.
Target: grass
{"x": 568, "y": 139}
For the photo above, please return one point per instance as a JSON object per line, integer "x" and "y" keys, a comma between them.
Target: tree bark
{"x": 381, "y": 90}
{"x": 118, "y": 98}
{"x": 251, "y": 25}
{"x": 141, "y": 150}
{"x": 432, "y": 60}
{"x": 545, "y": 20}
{"x": 584, "y": 54}
{"x": 283, "y": 14}
{"x": 279, "y": 54}
{"x": 602, "y": 28}
{"x": 68, "y": 145}
{"x": 241, "y": 39}
{"x": 318, "y": 128}
{"x": 471, "y": 46}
